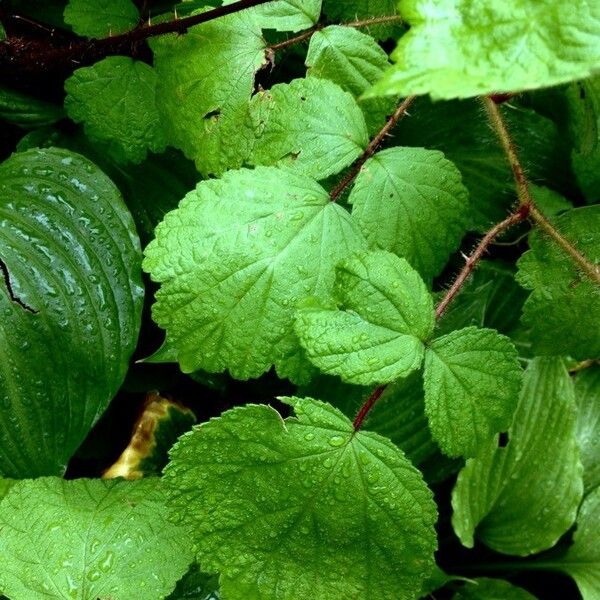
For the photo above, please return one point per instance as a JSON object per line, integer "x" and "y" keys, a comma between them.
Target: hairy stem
{"x": 367, "y": 406}
{"x": 371, "y": 148}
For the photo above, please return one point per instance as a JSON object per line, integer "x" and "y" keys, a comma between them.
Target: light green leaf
{"x": 286, "y": 15}
{"x": 458, "y": 48}
{"x": 309, "y": 124}
{"x": 587, "y": 393}
{"x": 101, "y": 18}
{"x": 350, "y": 10}
{"x": 26, "y": 111}
{"x": 378, "y": 335}
{"x": 233, "y": 261}
{"x": 205, "y": 80}
{"x": 302, "y": 508}
{"x": 87, "y": 539}
{"x": 563, "y": 310}
{"x": 355, "y": 61}
{"x": 521, "y": 498}
{"x": 582, "y": 560}
{"x": 472, "y": 381}
{"x": 72, "y": 253}
{"x": 115, "y": 100}
{"x": 411, "y": 201}
{"x": 484, "y": 588}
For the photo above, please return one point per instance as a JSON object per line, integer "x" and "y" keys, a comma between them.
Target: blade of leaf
{"x": 101, "y": 18}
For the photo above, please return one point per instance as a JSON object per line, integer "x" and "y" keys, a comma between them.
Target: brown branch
{"x": 301, "y": 37}
{"x": 371, "y": 148}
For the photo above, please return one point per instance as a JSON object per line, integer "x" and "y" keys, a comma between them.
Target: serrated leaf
{"x": 350, "y": 10}
{"x": 563, "y": 310}
{"x": 587, "y": 394}
{"x": 521, "y": 498}
{"x": 204, "y": 102}
{"x": 302, "y": 508}
{"x": 485, "y": 588}
{"x": 354, "y": 61}
{"x": 457, "y": 49}
{"x": 309, "y": 124}
{"x": 233, "y": 261}
{"x": 286, "y": 15}
{"x": 472, "y": 380}
{"x": 101, "y": 18}
{"x": 377, "y": 336}
{"x": 115, "y": 99}
{"x": 582, "y": 559}
{"x": 89, "y": 539}
{"x": 72, "y": 253}
{"x": 411, "y": 201}
{"x": 26, "y": 111}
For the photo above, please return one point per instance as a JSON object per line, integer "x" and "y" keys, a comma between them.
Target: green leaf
{"x": 457, "y": 49}
{"x": 233, "y": 261}
{"x": 286, "y": 15}
{"x": 378, "y": 335}
{"x": 549, "y": 202}
{"x": 355, "y": 61}
{"x": 350, "y": 10}
{"x": 587, "y": 393}
{"x": 115, "y": 100}
{"x": 302, "y": 508}
{"x": 582, "y": 559}
{"x": 472, "y": 381}
{"x": 101, "y": 18}
{"x": 204, "y": 108}
{"x": 309, "y": 124}
{"x": 26, "y": 111}
{"x": 411, "y": 201}
{"x": 70, "y": 247}
{"x": 521, "y": 498}
{"x": 484, "y": 588}
{"x": 563, "y": 310}
{"x": 89, "y": 539}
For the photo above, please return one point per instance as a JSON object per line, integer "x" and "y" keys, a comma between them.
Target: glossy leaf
{"x": 304, "y": 507}
{"x": 233, "y": 261}
{"x": 70, "y": 248}
{"x": 587, "y": 393}
{"x": 26, "y": 111}
{"x": 87, "y": 539}
{"x": 521, "y": 498}
{"x": 378, "y": 335}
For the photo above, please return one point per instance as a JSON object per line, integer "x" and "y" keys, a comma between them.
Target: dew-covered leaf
{"x": 101, "y": 18}
{"x": 115, "y": 99}
{"x": 302, "y": 508}
{"x": 309, "y": 124}
{"x": 377, "y": 335}
{"x": 88, "y": 539}
{"x": 355, "y": 61}
{"x": 457, "y": 48}
{"x": 72, "y": 254}
{"x": 205, "y": 80}
{"x": 563, "y": 310}
{"x": 411, "y": 201}
{"x": 587, "y": 394}
{"x": 472, "y": 381}
{"x": 233, "y": 261}
{"x": 519, "y": 499}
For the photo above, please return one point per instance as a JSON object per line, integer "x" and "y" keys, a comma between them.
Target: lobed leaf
{"x": 521, "y": 498}
{"x": 301, "y": 508}
{"x": 286, "y": 15}
{"x": 101, "y": 18}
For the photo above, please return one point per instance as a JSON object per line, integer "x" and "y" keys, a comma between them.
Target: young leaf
{"x": 205, "y": 80}
{"x": 286, "y": 15}
{"x": 72, "y": 254}
{"x": 472, "y": 381}
{"x": 582, "y": 559}
{"x": 87, "y": 539}
{"x": 411, "y": 201}
{"x": 378, "y": 336}
{"x": 26, "y": 111}
{"x": 484, "y": 588}
{"x": 350, "y": 10}
{"x": 355, "y": 61}
{"x": 235, "y": 258}
{"x": 563, "y": 310}
{"x": 310, "y": 124}
{"x": 302, "y": 508}
{"x": 523, "y": 497}
{"x": 450, "y": 51}
{"x": 101, "y": 18}
{"x": 587, "y": 394}
{"x": 115, "y": 100}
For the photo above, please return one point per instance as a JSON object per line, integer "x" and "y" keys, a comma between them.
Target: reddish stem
{"x": 367, "y": 406}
